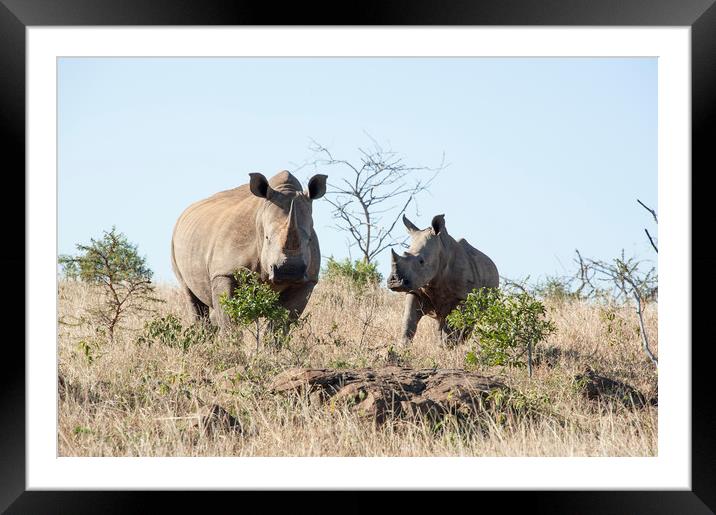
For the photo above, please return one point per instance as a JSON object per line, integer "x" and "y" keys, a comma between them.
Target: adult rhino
{"x": 265, "y": 226}
{"x": 437, "y": 272}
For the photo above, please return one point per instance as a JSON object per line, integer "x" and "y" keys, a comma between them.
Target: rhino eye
{"x": 422, "y": 261}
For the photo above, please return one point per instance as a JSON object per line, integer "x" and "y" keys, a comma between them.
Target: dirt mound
{"x": 597, "y": 387}
{"x": 393, "y": 392}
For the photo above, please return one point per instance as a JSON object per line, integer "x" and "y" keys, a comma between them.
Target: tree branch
{"x": 381, "y": 176}
{"x": 651, "y": 241}
{"x": 653, "y": 213}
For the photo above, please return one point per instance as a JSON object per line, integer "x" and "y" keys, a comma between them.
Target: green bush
{"x": 505, "y": 326}
{"x": 359, "y": 273}
{"x": 168, "y": 330}
{"x": 251, "y": 301}
{"x": 115, "y": 266}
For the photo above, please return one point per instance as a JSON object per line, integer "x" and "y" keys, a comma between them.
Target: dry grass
{"x": 128, "y": 398}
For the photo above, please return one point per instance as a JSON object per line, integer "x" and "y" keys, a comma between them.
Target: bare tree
{"x": 372, "y": 194}
{"x": 653, "y": 214}
{"x": 520, "y": 285}
{"x": 627, "y": 280}
{"x": 621, "y": 279}
{"x": 586, "y": 276}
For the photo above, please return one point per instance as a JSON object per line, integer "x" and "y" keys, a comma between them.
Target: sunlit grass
{"x": 129, "y": 398}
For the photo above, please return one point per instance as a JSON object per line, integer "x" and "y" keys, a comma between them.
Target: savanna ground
{"x": 130, "y": 397}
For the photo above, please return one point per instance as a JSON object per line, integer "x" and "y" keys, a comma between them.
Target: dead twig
{"x": 373, "y": 194}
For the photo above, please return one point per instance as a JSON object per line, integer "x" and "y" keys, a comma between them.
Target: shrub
{"x": 113, "y": 264}
{"x": 168, "y": 330}
{"x": 251, "y": 301}
{"x": 88, "y": 348}
{"x": 506, "y": 325}
{"x": 359, "y": 273}
{"x": 556, "y": 289}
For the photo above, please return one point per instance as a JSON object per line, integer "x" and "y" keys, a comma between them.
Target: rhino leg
{"x": 219, "y": 286}
{"x": 448, "y": 336}
{"x": 412, "y": 313}
{"x": 196, "y": 307}
{"x": 444, "y": 331}
{"x": 294, "y": 300}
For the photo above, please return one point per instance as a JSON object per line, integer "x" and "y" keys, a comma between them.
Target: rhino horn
{"x": 293, "y": 238}
{"x": 394, "y": 257}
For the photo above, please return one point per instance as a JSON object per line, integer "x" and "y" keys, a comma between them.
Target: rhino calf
{"x": 436, "y": 273}
{"x": 265, "y": 226}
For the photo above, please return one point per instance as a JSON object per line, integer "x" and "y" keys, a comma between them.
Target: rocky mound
{"x": 596, "y": 387}
{"x": 393, "y": 392}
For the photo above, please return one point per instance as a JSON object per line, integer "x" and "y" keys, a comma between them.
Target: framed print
{"x": 335, "y": 313}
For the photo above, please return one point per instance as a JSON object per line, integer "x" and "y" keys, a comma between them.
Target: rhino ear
{"x": 409, "y": 225}
{"x": 438, "y": 224}
{"x": 317, "y": 186}
{"x": 258, "y": 185}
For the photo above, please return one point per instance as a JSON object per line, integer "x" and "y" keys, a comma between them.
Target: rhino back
{"x": 484, "y": 269}
{"x": 468, "y": 269}
{"x": 213, "y": 237}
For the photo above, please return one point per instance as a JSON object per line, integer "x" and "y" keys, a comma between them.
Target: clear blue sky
{"x": 546, "y": 154}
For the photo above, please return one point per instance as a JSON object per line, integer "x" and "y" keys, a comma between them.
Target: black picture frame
{"x": 17, "y": 15}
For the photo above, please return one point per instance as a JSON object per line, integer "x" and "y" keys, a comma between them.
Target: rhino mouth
{"x": 398, "y": 284}
{"x": 288, "y": 274}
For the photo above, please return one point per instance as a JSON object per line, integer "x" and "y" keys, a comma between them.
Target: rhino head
{"x": 421, "y": 263}
{"x": 284, "y": 225}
